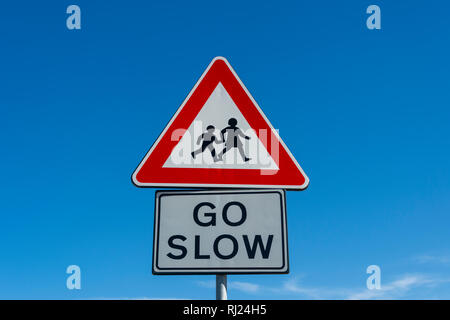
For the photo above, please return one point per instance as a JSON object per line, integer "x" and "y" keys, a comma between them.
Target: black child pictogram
{"x": 208, "y": 138}
{"x": 232, "y": 139}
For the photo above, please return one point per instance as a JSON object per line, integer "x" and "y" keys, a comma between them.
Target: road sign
{"x": 219, "y": 137}
{"x": 223, "y": 231}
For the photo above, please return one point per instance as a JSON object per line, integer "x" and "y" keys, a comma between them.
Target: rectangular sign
{"x": 223, "y": 231}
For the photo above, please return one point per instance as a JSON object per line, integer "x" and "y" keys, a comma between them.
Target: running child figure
{"x": 208, "y": 138}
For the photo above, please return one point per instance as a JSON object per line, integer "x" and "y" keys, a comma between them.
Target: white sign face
{"x": 211, "y": 232}
{"x": 217, "y": 105}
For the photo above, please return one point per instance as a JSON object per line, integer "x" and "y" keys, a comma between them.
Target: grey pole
{"x": 221, "y": 287}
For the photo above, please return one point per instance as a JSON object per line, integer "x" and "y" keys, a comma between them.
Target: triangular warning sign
{"x": 219, "y": 137}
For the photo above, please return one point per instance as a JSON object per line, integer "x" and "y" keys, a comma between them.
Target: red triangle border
{"x": 151, "y": 173}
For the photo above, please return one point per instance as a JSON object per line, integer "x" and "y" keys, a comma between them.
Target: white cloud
{"x": 237, "y": 285}
{"x": 395, "y": 289}
{"x": 138, "y": 298}
{"x": 292, "y": 288}
{"x": 245, "y": 286}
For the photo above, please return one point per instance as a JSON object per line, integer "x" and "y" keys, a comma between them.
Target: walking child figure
{"x": 232, "y": 139}
{"x": 208, "y": 138}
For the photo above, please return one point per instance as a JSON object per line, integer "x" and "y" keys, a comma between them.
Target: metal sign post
{"x": 221, "y": 287}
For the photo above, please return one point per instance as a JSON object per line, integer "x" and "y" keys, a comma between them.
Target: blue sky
{"x": 366, "y": 113}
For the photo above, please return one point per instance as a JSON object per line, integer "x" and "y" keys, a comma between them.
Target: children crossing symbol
{"x": 219, "y": 137}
